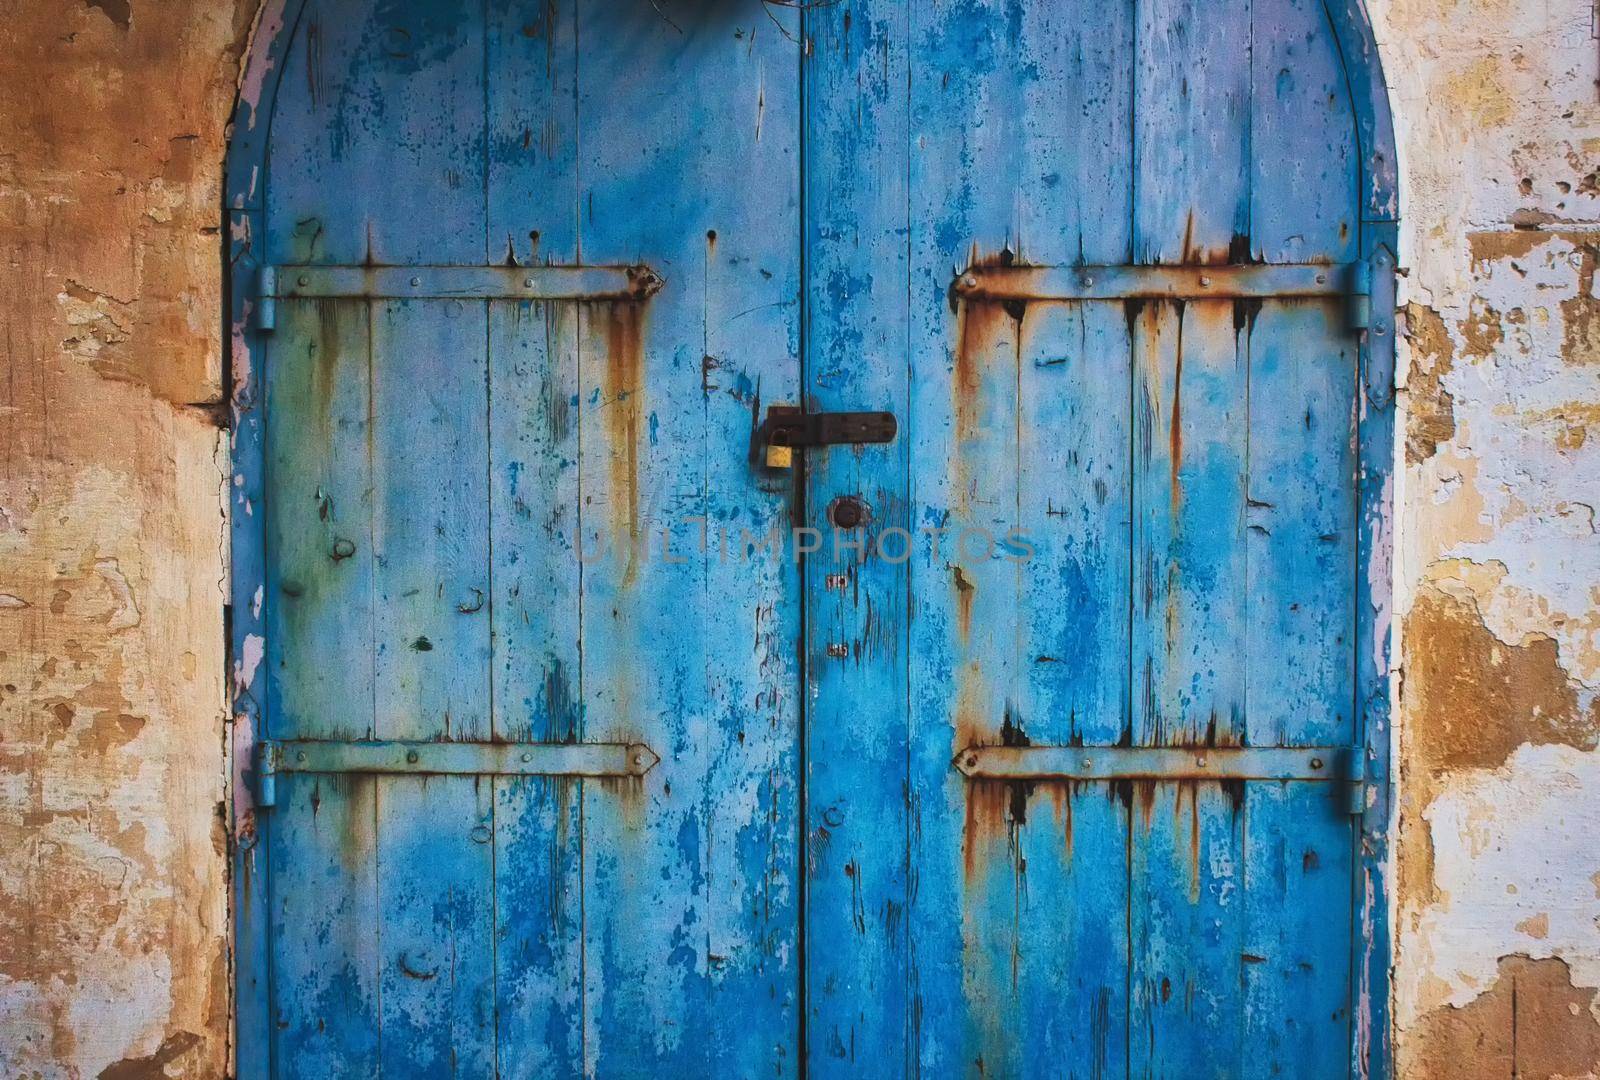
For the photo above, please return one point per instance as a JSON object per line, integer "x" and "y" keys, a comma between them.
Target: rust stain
{"x": 1175, "y": 427}
{"x": 1532, "y": 1022}
{"x": 996, "y": 810}
{"x": 965, "y": 590}
{"x": 1430, "y": 416}
{"x": 624, "y": 390}
{"x": 1580, "y": 315}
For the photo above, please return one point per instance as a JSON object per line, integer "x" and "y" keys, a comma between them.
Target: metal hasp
{"x": 1307, "y": 763}
{"x": 788, "y": 428}
{"x": 616, "y": 283}
{"x": 1233, "y": 281}
{"x": 400, "y": 758}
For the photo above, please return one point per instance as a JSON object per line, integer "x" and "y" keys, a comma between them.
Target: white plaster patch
{"x": 1514, "y": 853}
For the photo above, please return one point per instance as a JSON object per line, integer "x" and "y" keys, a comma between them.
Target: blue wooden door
{"x": 600, "y": 740}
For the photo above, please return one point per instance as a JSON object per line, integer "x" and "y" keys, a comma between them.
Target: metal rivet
{"x": 1322, "y": 279}
{"x": 970, "y": 281}
{"x": 972, "y": 761}
{"x": 1088, "y": 280}
{"x": 303, "y": 280}
{"x": 1088, "y": 763}
{"x": 1204, "y": 281}
{"x": 301, "y": 756}
{"x": 527, "y": 282}
{"x": 1316, "y": 763}
{"x": 1200, "y": 761}
{"x": 411, "y": 756}
{"x": 526, "y": 756}
{"x": 638, "y": 759}
{"x": 416, "y": 281}
{"x": 1380, "y": 329}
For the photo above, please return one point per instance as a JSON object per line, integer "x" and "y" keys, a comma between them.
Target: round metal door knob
{"x": 847, "y": 512}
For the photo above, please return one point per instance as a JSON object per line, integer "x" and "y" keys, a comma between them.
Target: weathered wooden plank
{"x": 325, "y": 906}
{"x": 533, "y": 136}
{"x": 1022, "y": 158}
{"x": 1189, "y": 626}
{"x": 318, "y": 675}
{"x": 1300, "y": 662}
{"x": 431, "y": 540}
{"x": 861, "y": 1015}
{"x": 1304, "y": 161}
{"x": 380, "y": 156}
{"x": 319, "y": 524}
{"x": 688, "y": 152}
{"x": 1191, "y": 133}
{"x": 1300, "y": 652}
{"x": 535, "y": 509}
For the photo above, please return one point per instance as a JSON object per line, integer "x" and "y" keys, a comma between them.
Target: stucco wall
{"x": 112, "y": 873}
{"x": 1499, "y": 572}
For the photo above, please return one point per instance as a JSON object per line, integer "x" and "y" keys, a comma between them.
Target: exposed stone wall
{"x": 113, "y": 916}
{"x": 1498, "y": 117}
{"x": 112, "y": 872}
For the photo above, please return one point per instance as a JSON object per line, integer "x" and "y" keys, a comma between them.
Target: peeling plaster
{"x": 113, "y": 916}
{"x": 1498, "y": 582}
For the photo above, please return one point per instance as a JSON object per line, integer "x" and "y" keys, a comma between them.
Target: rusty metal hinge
{"x": 327, "y": 282}
{"x": 418, "y": 758}
{"x": 1328, "y": 764}
{"x": 1263, "y": 281}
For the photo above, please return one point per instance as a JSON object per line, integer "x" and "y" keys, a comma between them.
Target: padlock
{"x": 780, "y": 457}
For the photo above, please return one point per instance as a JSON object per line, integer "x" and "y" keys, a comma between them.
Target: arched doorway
{"x": 1019, "y": 705}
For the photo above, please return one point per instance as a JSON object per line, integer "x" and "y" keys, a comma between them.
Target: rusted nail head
{"x": 415, "y": 282}
{"x": 411, "y": 756}
{"x": 1316, "y": 763}
{"x": 972, "y": 761}
{"x": 1322, "y": 279}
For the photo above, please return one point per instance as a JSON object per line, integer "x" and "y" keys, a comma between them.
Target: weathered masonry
{"x": 1068, "y": 329}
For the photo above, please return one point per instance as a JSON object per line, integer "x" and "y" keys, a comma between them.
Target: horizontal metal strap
{"x": 1156, "y": 763}
{"x": 461, "y": 282}
{"x": 1264, "y": 281}
{"x": 400, "y": 758}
